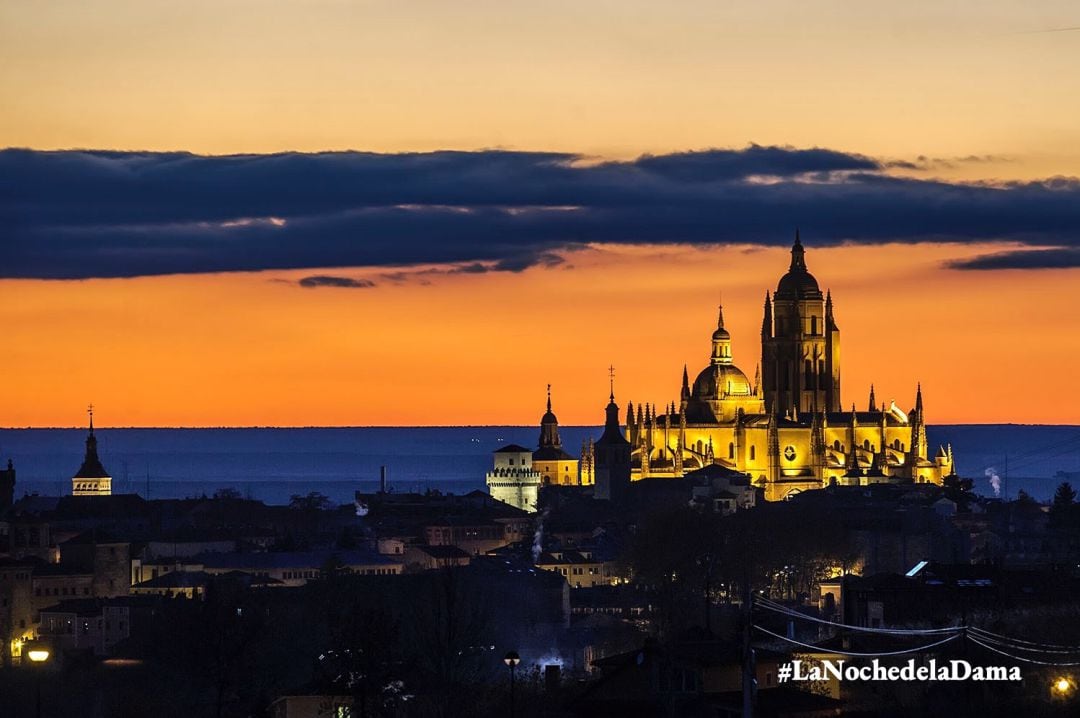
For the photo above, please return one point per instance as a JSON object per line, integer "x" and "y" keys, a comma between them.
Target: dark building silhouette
{"x": 612, "y": 456}
{"x": 7, "y": 486}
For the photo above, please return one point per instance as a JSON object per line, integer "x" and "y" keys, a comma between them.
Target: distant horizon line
{"x": 413, "y": 426}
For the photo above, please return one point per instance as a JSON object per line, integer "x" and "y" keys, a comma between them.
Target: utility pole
{"x": 748, "y": 651}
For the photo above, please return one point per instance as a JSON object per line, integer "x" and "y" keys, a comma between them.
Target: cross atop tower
{"x": 611, "y": 380}
{"x": 90, "y": 413}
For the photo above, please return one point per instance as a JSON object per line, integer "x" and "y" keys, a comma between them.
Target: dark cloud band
{"x": 323, "y": 280}
{"x": 84, "y": 214}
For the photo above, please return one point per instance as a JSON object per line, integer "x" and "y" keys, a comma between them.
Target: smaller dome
{"x": 721, "y": 334}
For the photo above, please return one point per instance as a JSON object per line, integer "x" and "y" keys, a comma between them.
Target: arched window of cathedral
{"x": 700, "y": 447}
{"x": 753, "y": 453}
{"x": 809, "y": 371}
{"x": 837, "y": 446}
{"x": 731, "y": 450}
{"x": 820, "y": 371}
{"x": 866, "y": 445}
{"x": 813, "y": 325}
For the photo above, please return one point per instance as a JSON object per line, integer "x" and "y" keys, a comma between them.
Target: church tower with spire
{"x": 91, "y": 479}
{"x": 612, "y": 455}
{"x": 800, "y": 344}
{"x": 554, "y": 464}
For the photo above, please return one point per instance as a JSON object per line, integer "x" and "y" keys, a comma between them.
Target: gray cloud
{"x": 1049, "y": 258}
{"x": 84, "y": 214}
{"x": 323, "y": 280}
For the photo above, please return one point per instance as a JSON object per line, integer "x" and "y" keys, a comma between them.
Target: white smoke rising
{"x": 995, "y": 481}
{"x": 538, "y": 537}
{"x": 550, "y": 659}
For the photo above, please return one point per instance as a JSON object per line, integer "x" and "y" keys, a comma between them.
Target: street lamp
{"x": 1062, "y": 687}
{"x": 512, "y": 659}
{"x": 38, "y": 656}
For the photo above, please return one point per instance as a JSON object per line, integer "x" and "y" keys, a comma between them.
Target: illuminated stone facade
{"x": 554, "y": 464}
{"x": 786, "y": 428}
{"x": 513, "y": 480}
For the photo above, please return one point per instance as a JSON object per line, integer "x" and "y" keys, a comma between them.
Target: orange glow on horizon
{"x": 456, "y": 349}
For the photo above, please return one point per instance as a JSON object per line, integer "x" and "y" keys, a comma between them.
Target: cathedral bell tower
{"x": 800, "y": 344}
{"x": 612, "y": 455}
{"x": 91, "y": 479}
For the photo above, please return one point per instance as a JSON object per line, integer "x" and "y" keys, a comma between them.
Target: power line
{"x": 1021, "y": 658}
{"x": 853, "y": 653}
{"x": 779, "y": 608}
{"x": 1008, "y": 642}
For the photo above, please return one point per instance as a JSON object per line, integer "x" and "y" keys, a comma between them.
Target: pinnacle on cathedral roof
{"x": 721, "y": 332}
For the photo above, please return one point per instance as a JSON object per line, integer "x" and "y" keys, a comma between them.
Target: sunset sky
{"x": 502, "y": 195}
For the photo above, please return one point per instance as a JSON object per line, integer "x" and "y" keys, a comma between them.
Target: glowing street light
{"x": 38, "y": 655}
{"x": 512, "y": 659}
{"x": 1062, "y": 687}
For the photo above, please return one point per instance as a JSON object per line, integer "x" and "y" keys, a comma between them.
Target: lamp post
{"x": 38, "y": 656}
{"x": 512, "y": 659}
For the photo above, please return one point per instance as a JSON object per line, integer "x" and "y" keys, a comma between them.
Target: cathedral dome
{"x": 797, "y": 283}
{"x": 718, "y": 380}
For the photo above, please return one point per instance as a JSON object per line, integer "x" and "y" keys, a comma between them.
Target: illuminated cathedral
{"x": 787, "y": 429}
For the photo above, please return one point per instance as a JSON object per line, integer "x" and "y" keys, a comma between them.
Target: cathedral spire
{"x": 685, "y": 395}
{"x": 873, "y": 401}
{"x": 549, "y": 397}
{"x": 853, "y": 451}
{"x": 798, "y": 255}
{"x": 917, "y": 448}
{"x": 766, "y": 320}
